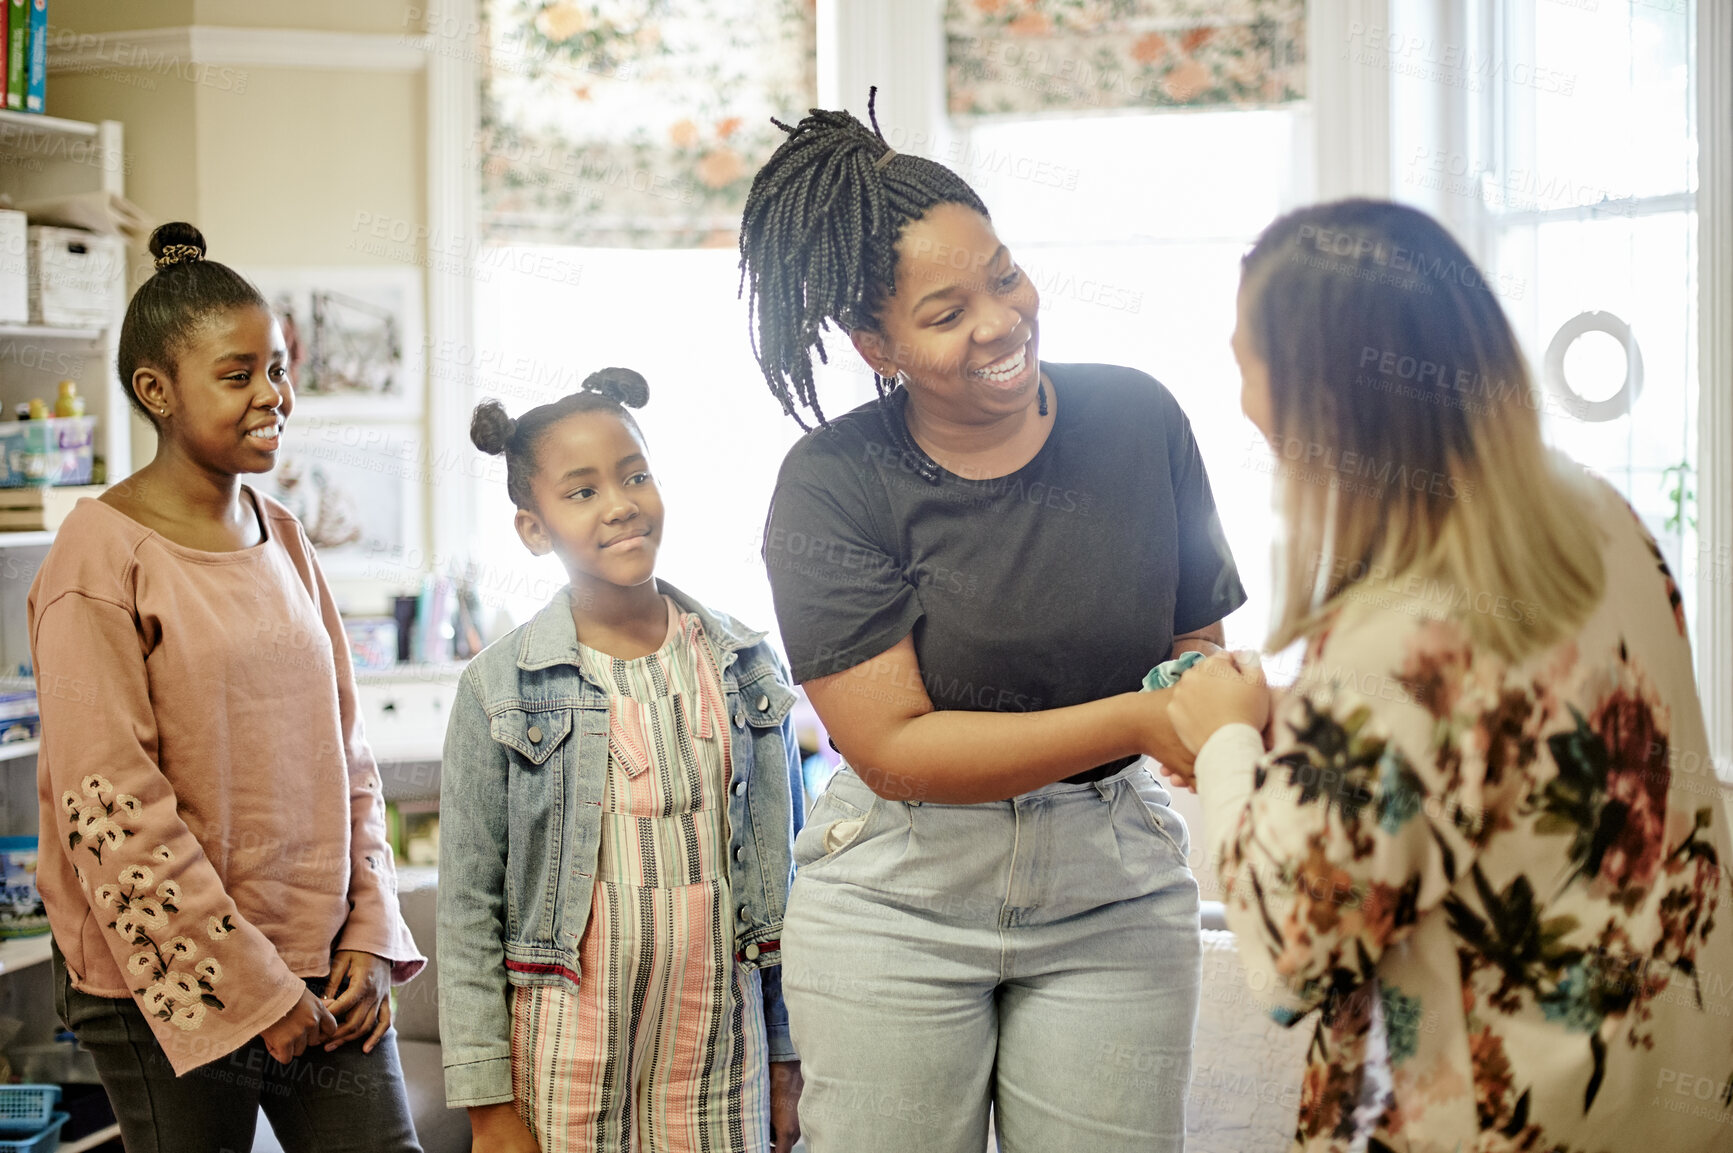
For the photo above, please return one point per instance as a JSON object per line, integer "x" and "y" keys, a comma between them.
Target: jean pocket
{"x": 838, "y": 818}
{"x": 1152, "y": 800}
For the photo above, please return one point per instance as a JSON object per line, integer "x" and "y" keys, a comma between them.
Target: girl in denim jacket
{"x": 621, "y": 792}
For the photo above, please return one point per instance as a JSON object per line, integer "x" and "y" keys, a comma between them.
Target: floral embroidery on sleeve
{"x": 176, "y": 989}
{"x": 98, "y": 817}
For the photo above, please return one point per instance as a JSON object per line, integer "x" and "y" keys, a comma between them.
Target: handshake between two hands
{"x": 1224, "y": 688}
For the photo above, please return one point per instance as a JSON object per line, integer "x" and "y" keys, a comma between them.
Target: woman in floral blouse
{"x": 1486, "y": 842}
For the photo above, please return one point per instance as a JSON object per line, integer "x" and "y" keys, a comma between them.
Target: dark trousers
{"x": 342, "y": 1102}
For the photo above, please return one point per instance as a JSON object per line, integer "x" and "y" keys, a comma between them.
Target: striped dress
{"x": 663, "y": 1045}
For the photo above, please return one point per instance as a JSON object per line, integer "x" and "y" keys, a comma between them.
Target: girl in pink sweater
{"x": 213, "y": 861}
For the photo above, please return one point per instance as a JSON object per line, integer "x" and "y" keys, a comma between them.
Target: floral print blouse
{"x": 1500, "y": 889}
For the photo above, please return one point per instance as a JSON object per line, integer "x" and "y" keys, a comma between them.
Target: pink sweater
{"x": 218, "y": 816}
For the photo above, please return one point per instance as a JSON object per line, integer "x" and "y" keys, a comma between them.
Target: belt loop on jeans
{"x": 1101, "y": 787}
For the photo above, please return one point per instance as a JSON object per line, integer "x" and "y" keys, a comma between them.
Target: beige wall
{"x": 108, "y": 16}
{"x": 286, "y": 167}
{"x": 275, "y": 167}
{"x": 331, "y": 15}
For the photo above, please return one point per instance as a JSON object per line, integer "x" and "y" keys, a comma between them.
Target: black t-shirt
{"x": 1063, "y": 582}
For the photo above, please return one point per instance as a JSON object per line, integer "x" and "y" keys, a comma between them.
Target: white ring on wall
{"x": 1594, "y": 411}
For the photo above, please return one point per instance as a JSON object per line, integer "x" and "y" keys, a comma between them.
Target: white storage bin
{"x": 14, "y": 268}
{"x": 73, "y": 276}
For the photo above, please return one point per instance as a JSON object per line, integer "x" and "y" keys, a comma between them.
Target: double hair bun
{"x": 492, "y": 429}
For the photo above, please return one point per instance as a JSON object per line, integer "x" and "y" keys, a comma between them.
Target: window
{"x": 1589, "y": 212}
{"x": 716, "y": 436}
{"x": 1132, "y": 227}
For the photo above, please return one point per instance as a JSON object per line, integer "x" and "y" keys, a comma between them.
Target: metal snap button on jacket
{"x": 751, "y": 952}
{"x": 535, "y": 734}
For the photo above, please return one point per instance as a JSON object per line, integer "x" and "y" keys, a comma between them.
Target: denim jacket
{"x": 526, "y": 761}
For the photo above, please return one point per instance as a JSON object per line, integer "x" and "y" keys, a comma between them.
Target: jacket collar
{"x": 551, "y": 637}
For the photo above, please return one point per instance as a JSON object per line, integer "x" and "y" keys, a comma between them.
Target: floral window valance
{"x": 1016, "y": 57}
{"x": 634, "y": 122}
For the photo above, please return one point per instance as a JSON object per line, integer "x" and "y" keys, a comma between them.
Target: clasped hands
{"x": 1222, "y": 689}
{"x": 357, "y": 1003}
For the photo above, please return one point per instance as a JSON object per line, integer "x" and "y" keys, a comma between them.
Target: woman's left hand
{"x": 785, "y": 1087}
{"x": 1218, "y": 691}
{"x": 365, "y": 1004}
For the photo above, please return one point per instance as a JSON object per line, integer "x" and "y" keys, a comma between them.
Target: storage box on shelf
{"x": 72, "y": 276}
{"x": 59, "y": 450}
{"x": 39, "y": 508}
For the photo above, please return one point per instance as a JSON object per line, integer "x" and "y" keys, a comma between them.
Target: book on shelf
{"x": 17, "y": 39}
{"x": 5, "y": 49}
{"x": 36, "y": 53}
{"x": 36, "y": 508}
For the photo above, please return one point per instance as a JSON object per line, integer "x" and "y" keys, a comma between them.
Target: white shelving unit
{"x": 43, "y": 157}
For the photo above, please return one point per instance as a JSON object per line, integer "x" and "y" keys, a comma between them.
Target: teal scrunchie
{"x": 1167, "y": 673}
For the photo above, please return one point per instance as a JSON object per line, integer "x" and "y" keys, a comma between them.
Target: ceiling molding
{"x": 154, "y": 49}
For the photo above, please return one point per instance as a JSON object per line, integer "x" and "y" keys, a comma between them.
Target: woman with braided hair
{"x": 972, "y": 573}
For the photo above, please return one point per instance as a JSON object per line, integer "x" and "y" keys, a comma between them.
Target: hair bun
{"x": 619, "y": 384}
{"x": 490, "y": 429}
{"x": 176, "y": 243}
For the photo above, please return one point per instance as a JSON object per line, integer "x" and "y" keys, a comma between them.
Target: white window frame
{"x": 1714, "y": 79}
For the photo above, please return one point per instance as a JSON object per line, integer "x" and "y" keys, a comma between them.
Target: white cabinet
{"x": 404, "y": 714}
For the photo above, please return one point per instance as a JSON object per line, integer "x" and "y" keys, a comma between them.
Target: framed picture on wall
{"x": 357, "y": 488}
{"x": 354, "y": 335}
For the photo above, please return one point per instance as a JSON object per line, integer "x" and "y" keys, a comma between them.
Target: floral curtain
{"x": 635, "y": 122}
{"x": 1028, "y": 56}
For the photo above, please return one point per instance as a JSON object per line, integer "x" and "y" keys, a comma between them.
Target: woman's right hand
{"x": 306, "y": 1023}
{"x": 499, "y": 1129}
{"x": 1155, "y": 735}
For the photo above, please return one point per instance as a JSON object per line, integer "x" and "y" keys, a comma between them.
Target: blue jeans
{"x": 342, "y": 1102}
{"x": 1040, "y": 956}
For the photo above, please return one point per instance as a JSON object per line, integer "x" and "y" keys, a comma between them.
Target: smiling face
{"x": 961, "y": 325}
{"x": 229, "y": 395}
{"x": 597, "y": 507}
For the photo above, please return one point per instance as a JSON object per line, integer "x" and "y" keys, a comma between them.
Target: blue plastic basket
{"x": 25, "y": 1109}
{"x": 43, "y": 1142}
